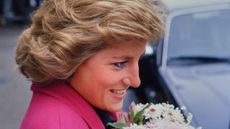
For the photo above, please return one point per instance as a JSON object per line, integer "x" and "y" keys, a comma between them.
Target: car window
{"x": 204, "y": 34}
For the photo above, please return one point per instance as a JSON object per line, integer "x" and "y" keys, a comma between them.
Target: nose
{"x": 133, "y": 78}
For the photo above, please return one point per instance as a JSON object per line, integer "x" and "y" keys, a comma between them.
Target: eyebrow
{"x": 126, "y": 57}
{"x": 122, "y": 57}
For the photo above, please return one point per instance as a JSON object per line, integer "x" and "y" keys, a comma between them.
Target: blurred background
{"x": 14, "y": 88}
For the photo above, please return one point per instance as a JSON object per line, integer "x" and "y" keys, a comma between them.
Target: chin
{"x": 115, "y": 108}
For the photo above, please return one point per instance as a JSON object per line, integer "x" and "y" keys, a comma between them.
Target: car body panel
{"x": 204, "y": 90}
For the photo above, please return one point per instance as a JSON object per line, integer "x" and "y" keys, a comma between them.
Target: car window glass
{"x": 200, "y": 34}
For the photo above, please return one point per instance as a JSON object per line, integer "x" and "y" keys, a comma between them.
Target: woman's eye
{"x": 120, "y": 64}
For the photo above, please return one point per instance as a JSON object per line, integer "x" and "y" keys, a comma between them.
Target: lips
{"x": 118, "y": 91}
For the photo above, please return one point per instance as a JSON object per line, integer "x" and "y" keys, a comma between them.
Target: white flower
{"x": 158, "y": 116}
{"x": 154, "y": 112}
{"x": 183, "y": 108}
{"x": 160, "y": 124}
{"x": 139, "y": 107}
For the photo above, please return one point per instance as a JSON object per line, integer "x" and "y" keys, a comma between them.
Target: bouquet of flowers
{"x": 153, "y": 116}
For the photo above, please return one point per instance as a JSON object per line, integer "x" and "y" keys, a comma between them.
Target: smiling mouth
{"x": 118, "y": 92}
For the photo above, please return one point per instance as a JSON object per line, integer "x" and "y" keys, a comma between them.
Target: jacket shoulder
{"x": 47, "y": 112}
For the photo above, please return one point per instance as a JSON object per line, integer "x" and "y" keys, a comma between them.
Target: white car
{"x": 191, "y": 63}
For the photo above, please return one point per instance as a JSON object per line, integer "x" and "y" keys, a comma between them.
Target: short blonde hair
{"x": 64, "y": 33}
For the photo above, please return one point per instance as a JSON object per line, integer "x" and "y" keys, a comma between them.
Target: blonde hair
{"x": 64, "y": 33}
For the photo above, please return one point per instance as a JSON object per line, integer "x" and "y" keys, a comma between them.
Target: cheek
{"x": 109, "y": 77}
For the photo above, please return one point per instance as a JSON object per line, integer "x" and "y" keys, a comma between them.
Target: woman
{"x": 82, "y": 56}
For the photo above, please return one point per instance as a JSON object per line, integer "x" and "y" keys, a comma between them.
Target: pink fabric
{"x": 59, "y": 106}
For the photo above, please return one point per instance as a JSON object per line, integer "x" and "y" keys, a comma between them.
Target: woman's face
{"x": 104, "y": 78}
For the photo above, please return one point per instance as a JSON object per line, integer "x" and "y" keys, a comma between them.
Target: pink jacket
{"x": 59, "y": 106}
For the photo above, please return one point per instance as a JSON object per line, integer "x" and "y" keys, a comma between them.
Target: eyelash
{"x": 120, "y": 64}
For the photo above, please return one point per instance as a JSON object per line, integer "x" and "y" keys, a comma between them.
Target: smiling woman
{"x": 108, "y": 73}
{"x": 82, "y": 56}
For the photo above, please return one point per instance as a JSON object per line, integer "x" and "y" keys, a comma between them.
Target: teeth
{"x": 119, "y": 92}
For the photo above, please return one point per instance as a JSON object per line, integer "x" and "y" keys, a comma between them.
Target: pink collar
{"x": 62, "y": 91}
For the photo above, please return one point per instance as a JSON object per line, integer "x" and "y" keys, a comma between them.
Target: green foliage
{"x": 138, "y": 118}
{"x": 117, "y": 125}
{"x": 134, "y": 119}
